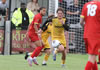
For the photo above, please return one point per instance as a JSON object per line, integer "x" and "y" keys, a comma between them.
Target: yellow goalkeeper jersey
{"x": 57, "y": 28}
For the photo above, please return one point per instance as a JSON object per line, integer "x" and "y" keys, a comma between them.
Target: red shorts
{"x": 33, "y": 36}
{"x": 92, "y": 46}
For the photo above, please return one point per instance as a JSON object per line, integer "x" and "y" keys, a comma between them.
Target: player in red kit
{"x": 90, "y": 20}
{"x": 34, "y": 35}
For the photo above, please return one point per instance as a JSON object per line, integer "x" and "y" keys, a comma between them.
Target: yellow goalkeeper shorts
{"x": 61, "y": 39}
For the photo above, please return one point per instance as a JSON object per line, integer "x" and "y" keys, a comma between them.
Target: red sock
{"x": 99, "y": 57}
{"x": 89, "y": 66}
{"x": 36, "y": 52}
{"x": 95, "y": 66}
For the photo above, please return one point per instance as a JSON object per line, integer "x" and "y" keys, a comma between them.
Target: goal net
{"x": 72, "y": 11}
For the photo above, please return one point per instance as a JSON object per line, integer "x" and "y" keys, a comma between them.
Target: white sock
{"x": 29, "y": 58}
{"x": 44, "y": 62}
{"x": 34, "y": 58}
{"x": 55, "y": 49}
{"x": 29, "y": 54}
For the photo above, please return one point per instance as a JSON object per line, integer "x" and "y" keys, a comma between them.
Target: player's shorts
{"x": 34, "y": 37}
{"x": 61, "y": 39}
{"x": 92, "y": 46}
{"x": 45, "y": 35}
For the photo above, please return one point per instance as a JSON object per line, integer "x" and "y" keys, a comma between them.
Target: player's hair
{"x": 51, "y": 16}
{"x": 60, "y": 9}
{"x": 36, "y": 1}
{"x": 41, "y": 8}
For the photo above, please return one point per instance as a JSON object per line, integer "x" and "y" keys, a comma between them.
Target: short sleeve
{"x": 83, "y": 12}
{"x": 37, "y": 19}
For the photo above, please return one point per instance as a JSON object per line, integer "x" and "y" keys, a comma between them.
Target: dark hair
{"x": 50, "y": 16}
{"x": 36, "y": 1}
{"x": 41, "y": 8}
{"x": 60, "y": 9}
{"x": 22, "y": 4}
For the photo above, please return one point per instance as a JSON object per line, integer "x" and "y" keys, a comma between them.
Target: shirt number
{"x": 91, "y": 10}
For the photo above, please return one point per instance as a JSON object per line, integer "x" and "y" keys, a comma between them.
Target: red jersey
{"x": 37, "y": 20}
{"x": 91, "y": 14}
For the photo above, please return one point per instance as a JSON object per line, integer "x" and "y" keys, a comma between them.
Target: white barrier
{"x": 7, "y": 38}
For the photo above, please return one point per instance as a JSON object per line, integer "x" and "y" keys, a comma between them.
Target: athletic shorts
{"x": 34, "y": 37}
{"x": 92, "y": 46}
{"x": 45, "y": 35}
{"x": 61, "y": 39}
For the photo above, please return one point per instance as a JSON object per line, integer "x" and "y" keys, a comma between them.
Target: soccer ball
{"x": 55, "y": 43}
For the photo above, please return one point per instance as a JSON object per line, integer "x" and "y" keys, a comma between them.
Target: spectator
{"x": 3, "y": 9}
{"x": 33, "y": 6}
{"x": 22, "y": 17}
{"x": 69, "y": 2}
{"x": 73, "y": 13}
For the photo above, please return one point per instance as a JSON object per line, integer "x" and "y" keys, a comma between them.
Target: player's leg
{"x": 63, "y": 57}
{"x": 29, "y": 53}
{"x": 33, "y": 59}
{"x": 47, "y": 54}
{"x": 64, "y": 51}
{"x": 36, "y": 52}
{"x": 95, "y": 66}
{"x": 99, "y": 58}
{"x": 38, "y": 49}
{"x": 45, "y": 36}
{"x": 60, "y": 47}
{"x": 92, "y": 46}
{"x": 91, "y": 63}
{"x": 56, "y": 50}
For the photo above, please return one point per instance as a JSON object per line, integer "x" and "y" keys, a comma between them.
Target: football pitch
{"x": 17, "y": 62}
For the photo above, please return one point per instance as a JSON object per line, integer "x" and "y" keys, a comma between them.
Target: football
{"x": 55, "y": 43}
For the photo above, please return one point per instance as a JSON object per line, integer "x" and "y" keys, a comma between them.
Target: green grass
{"x": 17, "y": 62}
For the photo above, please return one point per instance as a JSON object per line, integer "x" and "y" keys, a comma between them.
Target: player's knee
{"x": 39, "y": 43}
{"x": 92, "y": 58}
{"x": 48, "y": 51}
{"x": 61, "y": 48}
